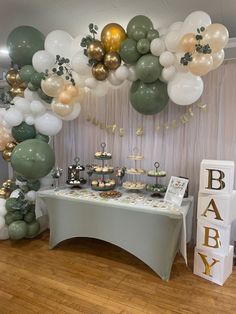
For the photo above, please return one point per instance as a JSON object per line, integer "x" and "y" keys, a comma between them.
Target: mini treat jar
{"x": 74, "y": 173}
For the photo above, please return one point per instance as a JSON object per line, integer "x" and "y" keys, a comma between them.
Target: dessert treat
{"x": 103, "y": 184}
{"x": 110, "y": 194}
{"x": 135, "y": 157}
{"x": 130, "y": 185}
{"x": 102, "y": 155}
{"x": 154, "y": 173}
{"x": 103, "y": 169}
{"x": 135, "y": 171}
{"x": 157, "y": 189}
{"x": 74, "y": 174}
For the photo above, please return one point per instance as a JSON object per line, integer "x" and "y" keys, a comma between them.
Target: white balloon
{"x": 2, "y": 202}
{"x": 59, "y": 43}
{"x": 79, "y": 64}
{"x": 31, "y": 196}
{"x": 101, "y": 90}
{"x": 23, "y": 105}
{"x": 15, "y": 193}
{"x": 195, "y": 20}
{"x": 91, "y": 83}
{"x": 76, "y": 45}
{"x": 113, "y": 80}
{"x": 185, "y": 88}
{"x": 13, "y": 117}
{"x": 179, "y": 66}
{"x": 29, "y": 119}
{"x": 75, "y": 113}
{"x": 37, "y": 107}
{"x": 176, "y": 26}
{"x": 163, "y": 31}
{"x": 48, "y": 124}
{"x": 172, "y": 41}
{"x": 168, "y": 73}
{"x": 30, "y": 96}
{"x": 157, "y": 46}
{"x": 2, "y": 222}
{"x": 132, "y": 74}
{"x": 43, "y": 60}
{"x": 3, "y": 211}
{"x": 46, "y": 182}
{"x": 15, "y": 99}
{"x": 4, "y": 235}
{"x": 81, "y": 80}
{"x": 167, "y": 58}
{"x": 122, "y": 73}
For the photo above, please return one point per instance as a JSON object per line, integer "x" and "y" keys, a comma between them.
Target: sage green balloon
{"x": 32, "y": 87}
{"x": 148, "y": 99}
{"x": 139, "y": 33}
{"x": 12, "y": 204}
{"x": 26, "y": 72}
{"x": 23, "y": 132}
{"x": 9, "y": 218}
{"x": 33, "y": 185}
{"x": 42, "y": 137}
{"x": 17, "y": 230}
{"x": 139, "y": 21}
{"x": 23, "y": 42}
{"x": 36, "y": 79}
{"x": 143, "y": 46}
{"x": 44, "y": 97}
{"x": 148, "y": 68}
{"x": 29, "y": 217}
{"x": 128, "y": 51}
{"x": 32, "y": 229}
{"x": 33, "y": 159}
{"x": 17, "y": 215}
{"x": 152, "y": 34}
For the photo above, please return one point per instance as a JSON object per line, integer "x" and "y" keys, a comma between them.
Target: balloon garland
{"x": 50, "y": 76}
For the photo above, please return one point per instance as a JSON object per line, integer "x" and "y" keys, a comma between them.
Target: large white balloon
{"x": 37, "y": 107}
{"x": 101, "y": 90}
{"x": 168, "y": 74}
{"x": 195, "y": 20}
{"x": 29, "y": 119}
{"x": 167, "y": 58}
{"x": 43, "y": 60}
{"x": 75, "y": 113}
{"x": 48, "y": 124}
{"x": 91, "y": 83}
{"x": 172, "y": 41}
{"x": 113, "y": 80}
{"x": 185, "y": 88}
{"x": 176, "y": 26}
{"x": 163, "y": 31}
{"x": 23, "y": 105}
{"x": 132, "y": 74}
{"x": 4, "y": 235}
{"x": 76, "y": 45}
{"x": 122, "y": 73}
{"x": 157, "y": 46}
{"x": 13, "y": 117}
{"x": 2, "y": 222}
{"x": 79, "y": 64}
{"x": 59, "y": 43}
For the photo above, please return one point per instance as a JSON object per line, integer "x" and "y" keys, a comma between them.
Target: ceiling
{"x": 74, "y": 16}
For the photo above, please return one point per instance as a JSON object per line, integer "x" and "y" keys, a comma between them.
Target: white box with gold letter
{"x": 212, "y": 237}
{"x": 216, "y": 176}
{"x": 219, "y": 209}
{"x": 213, "y": 267}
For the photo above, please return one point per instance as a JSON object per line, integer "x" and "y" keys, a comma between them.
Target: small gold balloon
{"x": 16, "y": 91}
{"x": 112, "y": 36}
{"x": 112, "y": 60}
{"x": 72, "y": 90}
{"x": 65, "y": 98}
{"x": 10, "y": 146}
{"x": 4, "y": 193}
{"x": 6, "y": 154}
{"x": 100, "y": 72}
{"x": 11, "y": 77}
{"x": 61, "y": 109}
{"x": 96, "y": 50}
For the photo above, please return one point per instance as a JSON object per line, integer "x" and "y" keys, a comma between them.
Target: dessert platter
{"x": 110, "y": 194}
{"x": 74, "y": 178}
{"x": 157, "y": 189}
{"x": 103, "y": 183}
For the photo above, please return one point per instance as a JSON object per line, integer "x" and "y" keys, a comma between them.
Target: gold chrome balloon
{"x": 96, "y": 50}
{"x": 112, "y": 36}
{"x": 100, "y": 72}
{"x": 12, "y": 76}
{"x": 10, "y": 146}
{"x": 6, "y": 154}
{"x": 16, "y": 91}
{"x": 112, "y": 60}
{"x": 4, "y": 193}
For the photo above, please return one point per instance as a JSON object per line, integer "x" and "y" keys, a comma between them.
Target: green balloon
{"x": 139, "y": 21}
{"x": 128, "y": 51}
{"x": 22, "y": 44}
{"x": 148, "y": 99}
{"x": 33, "y": 159}
{"x": 21, "y": 178}
{"x": 32, "y": 87}
{"x": 23, "y": 132}
{"x": 139, "y": 33}
{"x": 143, "y": 46}
{"x": 29, "y": 217}
{"x": 26, "y": 72}
{"x": 33, "y": 185}
{"x": 17, "y": 230}
{"x": 152, "y": 34}
{"x": 9, "y": 218}
{"x": 32, "y": 229}
{"x": 148, "y": 68}
{"x": 42, "y": 137}
{"x": 36, "y": 79}
{"x": 17, "y": 215}
{"x": 44, "y": 97}
{"x": 12, "y": 204}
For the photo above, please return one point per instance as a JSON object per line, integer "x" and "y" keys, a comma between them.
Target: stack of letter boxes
{"x": 213, "y": 259}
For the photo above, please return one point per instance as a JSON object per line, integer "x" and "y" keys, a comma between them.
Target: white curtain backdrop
{"x": 207, "y": 135}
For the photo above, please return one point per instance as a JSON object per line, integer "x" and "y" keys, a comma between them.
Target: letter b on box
{"x": 216, "y": 177}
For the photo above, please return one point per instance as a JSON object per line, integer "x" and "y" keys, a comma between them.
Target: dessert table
{"x": 148, "y": 228}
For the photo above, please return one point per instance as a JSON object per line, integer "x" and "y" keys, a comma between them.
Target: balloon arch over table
{"x": 50, "y": 77}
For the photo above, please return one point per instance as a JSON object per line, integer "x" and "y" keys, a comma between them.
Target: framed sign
{"x": 175, "y": 191}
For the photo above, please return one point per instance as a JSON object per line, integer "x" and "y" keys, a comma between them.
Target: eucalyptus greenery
{"x": 88, "y": 39}
{"x": 205, "y": 49}
{"x": 5, "y": 99}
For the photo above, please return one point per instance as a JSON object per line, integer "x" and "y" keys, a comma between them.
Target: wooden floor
{"x": 91, "y": 276}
